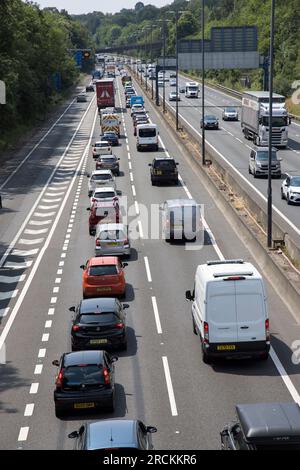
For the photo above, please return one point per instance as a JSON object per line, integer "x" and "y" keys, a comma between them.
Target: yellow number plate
{"x": 84, "y": 405}
{"x": 226, "y": 347}
{"x": 98, "y": 341}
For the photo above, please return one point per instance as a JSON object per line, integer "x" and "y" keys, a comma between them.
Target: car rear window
{"x": 103, "y": 195}
{"x": 90, "y": 374}
{"x": 112, "y": 235}
{"x": 164, "y": 164}
{"x": 103, "y": 270}
{"x": 101, "y": 177}
{"x": 103, "y": 317}
{"x": 107, "y": 160}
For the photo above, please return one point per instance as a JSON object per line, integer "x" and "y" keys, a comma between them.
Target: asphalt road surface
{"x": 161, "y": 378}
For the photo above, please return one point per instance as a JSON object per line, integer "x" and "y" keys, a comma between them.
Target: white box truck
{"x": 229, "y": 310}
{"x": 255, "y": 118}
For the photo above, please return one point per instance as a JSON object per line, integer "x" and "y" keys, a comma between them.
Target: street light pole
{"x": 202, "y": 93}
{"x": 269, "y": 235}
{"x": 164, "y": 64}
{"x": 151, "y": 59}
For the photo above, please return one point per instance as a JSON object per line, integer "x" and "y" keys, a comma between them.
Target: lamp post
{"x": 269, "y": 234}
{"x": 202, "y": 91}
{"x": 177, "y": 12}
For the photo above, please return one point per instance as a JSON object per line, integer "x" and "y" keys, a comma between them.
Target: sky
{"x": 105, "y": 6}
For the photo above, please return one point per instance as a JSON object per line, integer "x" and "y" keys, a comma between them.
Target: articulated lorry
{"x": 105, "y": 89}
{"x": 255, "y": 118}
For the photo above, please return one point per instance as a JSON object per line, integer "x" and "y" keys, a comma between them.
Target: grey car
{"x": 108, "y": 162}
{"x": 113, "y": 434}
{"x": 230, "y": 114}
{"x": 259, "y": 162}
{"x": 112, "y": 240}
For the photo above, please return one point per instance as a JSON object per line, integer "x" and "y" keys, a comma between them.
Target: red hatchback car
{"x": 103, "y": 276}
{"x": 103, "y": 212}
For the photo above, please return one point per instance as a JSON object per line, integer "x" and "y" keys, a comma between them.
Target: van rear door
{"x": 221, "y": 312}
{"x": 251, "y": 310}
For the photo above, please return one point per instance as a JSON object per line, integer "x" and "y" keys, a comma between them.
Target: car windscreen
{"x": 192, "y": 88}
{"x": 164, "y": 164}
{"x": 295, "y": 181}
{"x": 230, "y": 110}
{"x": 210, "y": 118}
{"x": 112, "y": 235}
{"x": 264, "y": 155}
{"x": 83, "y": 374}
{"x": 147, "y": 132}
{"x": 103, "y": 317}
{"x": 103, "y": 177}
{"x": 277, "y": 121}
{"x": 103, "y": 270}
{"x": 110, "y": 136}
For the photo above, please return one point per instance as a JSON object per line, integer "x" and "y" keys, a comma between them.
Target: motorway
{"x": 233, "y": 149}
{"x": 161, "y": 378}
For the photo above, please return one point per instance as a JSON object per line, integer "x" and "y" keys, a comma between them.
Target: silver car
{"x": 259, "y": 162}
{"x": 112, "y": 239}
{"x": 106, "y": 193}
{"x": 230, "y": 114}
{"x": 100, "y": 178}
{"x": 108, "y": 162}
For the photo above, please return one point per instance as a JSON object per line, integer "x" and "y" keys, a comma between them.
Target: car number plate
{"x": 98, "y": 341}
{"x": 158, "y": 172}
{"x": 103, "y": 289}
{"x": 226, "y": 347}
{"x": 84, "y": 405}
{"x": 113, "y": 244}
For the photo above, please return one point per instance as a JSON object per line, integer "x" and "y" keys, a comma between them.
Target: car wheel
{"x": 123, "y": 346}
{"x": 111, "y": 406}
{"x": 288, "y": 200}
{"x": 59, "y": 413}
{"x": 282, "y": 195}
{"x": 264, "y": 357}
{"x": 254, "y": 174}
{"x": 249, "y": 170}
{"x": 91, "y": 232}
{"x": 205, "y": 358}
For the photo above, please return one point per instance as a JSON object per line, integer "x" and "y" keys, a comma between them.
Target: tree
{"x": 139, "y": 6}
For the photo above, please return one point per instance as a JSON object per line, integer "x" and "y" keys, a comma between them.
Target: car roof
{"x": 264, "y": 149}
{"x": 210, "y": 116}
{"x": 83, "y": 357}
{"x": 106, "y": 156}
{"x": 110, "y": 433}
{"x": 155, "y": 159}
{"x": 105, "y": 189}
{"x": 217, "y": 270}
{"x": 102, "y": 142}
{"x": 103, "y": 260}
{"x": 270, "y": 422}
{"x": 98, "y": 305}
{"x": 147, "y": 126}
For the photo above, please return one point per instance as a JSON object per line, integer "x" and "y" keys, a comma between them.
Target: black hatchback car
{"x": 210, "y": 122}
{"x": 99, "y": 323}
{"x": 163, "y": 170}
{"x": 85, "y": 380}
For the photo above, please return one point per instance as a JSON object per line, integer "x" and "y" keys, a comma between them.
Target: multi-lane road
{"x": 44, "y": 239}
{"x": 233, "y": 149}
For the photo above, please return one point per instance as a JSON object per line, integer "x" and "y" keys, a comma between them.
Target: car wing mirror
{"x": 119, "y": 193}
{"x": 88, "y": 175}
{"x": 149, "y": 164}
{"x": 88, "y": 208}
{"x": 151, "y": 429}
{"x": 177, "y": 163}
{"x": 72, "y": 309}
{"x": 73, "y": 435}
{"x": 126, "y": 305}
{"x": 114, "y": 359}
{"x": 188, "y": 295}
{"x": 124, "y": 265}
{"x": 55, "y": 363}
{"x": 82, "y": 266}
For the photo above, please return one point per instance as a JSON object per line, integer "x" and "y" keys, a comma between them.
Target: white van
{"x": 181, "y": 219}
{"x": 146, "y": 136}
{"x": 229, "y": 310}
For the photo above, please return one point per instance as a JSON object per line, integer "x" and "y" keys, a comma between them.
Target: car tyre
{"x": 112, "y": 405}
{"x": 205, "y": 357}
{"x": 282, "y": 195}
{"x": 249, "y": 170}
{"x": 288, "y": 200}
{"x": 194, "y": 327}
{"x": 264, "y": 357}
{"x": 123, "y": 346}
{"x": 59, "y": 413}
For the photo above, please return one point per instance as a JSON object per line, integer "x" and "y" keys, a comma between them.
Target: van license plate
{"x": 84, "y": 405}
{"x": 226, "y": 347}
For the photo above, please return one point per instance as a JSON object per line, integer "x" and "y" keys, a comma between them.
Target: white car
{"x": 173, "y": 82}
{"x": 107, "y": 193}
{"x": 112, "y": 239}
{"x": 290, "y": 189}
{"x": 101, "y": 147}
{"x": 99, "y": 179}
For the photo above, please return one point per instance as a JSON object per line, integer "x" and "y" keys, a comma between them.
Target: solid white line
{"x": 23, "y": 434}
{"x": 14, "y": 313}
{"x": 13, "y": 279}
{"x": 185, "y": 187}
{"x": 156, "y": 315}
{"x": 169, "y": 386}
{"x": 36, "y": 146}
{"x": 34, "y": 388}
{"x": 147, "y": 269}
{"x": 288, "y": 383}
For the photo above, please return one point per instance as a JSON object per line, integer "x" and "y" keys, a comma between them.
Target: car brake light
{"x": 206, "y": 333}
{"x": 267, "y": 325}
{"x": 119, "y": 325}
{"x": 75, "y": 327}
{"x": 94, "y": 199}
{"x": 126, "y": 242}
{"x": 98, "y": 242}
{"x": 59, "y": 379}
{"x": 234, "y": 278}
{"x": 106, "y": 376}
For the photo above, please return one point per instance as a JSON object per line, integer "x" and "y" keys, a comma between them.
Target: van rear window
{"x": 147, "y": 132}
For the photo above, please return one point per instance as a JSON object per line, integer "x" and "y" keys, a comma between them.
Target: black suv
{"x": 163, "y": 170}
{"x": 85, "y": 380}
{"x": 263, "y": 426}
{"x": 99, "y": 323}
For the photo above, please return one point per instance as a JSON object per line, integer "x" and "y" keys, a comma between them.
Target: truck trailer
{"x": 255, "y": 118}
{"x": 105, "y": 89}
